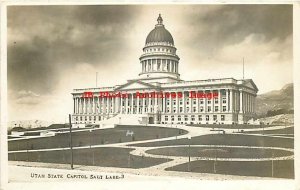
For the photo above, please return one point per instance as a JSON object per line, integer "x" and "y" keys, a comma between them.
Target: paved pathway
{"x": 176, "y": 160}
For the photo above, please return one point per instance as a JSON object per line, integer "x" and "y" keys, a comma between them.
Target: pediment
{"x": 133, "y": 85}
{"x": 249, "y": 83}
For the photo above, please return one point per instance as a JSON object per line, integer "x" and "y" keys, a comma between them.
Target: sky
{"x": 54, "y": 49}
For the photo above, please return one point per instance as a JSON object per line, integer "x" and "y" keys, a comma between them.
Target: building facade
{"x": 158, "y": 95}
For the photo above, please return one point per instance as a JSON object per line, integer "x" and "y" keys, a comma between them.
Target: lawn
{"x": 226, "y": 139}
{"x": 220, "y": 152}
{"x": 281, "y": 168}
{"x": 100, "y": 136}
{"x": 288, "y": 130}
{"x": 228, "y": 126}
{"x": 104, "y": 157}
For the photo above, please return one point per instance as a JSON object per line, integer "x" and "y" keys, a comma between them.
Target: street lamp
{"x": 71, "y": 143}
{"x": 189, "y": 165}
{"x": 92, "y": 140}
{"x": 272, "y": 163}
{"x": 215, "y": 162}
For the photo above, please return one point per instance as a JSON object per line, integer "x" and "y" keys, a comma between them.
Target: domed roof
{"x": 159, "y": 33}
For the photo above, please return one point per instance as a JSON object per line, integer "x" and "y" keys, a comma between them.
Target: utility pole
{"x": 189, "y": 151}
{"x": 272, "y": 164}
{"x": 71, "y": 143}
{"x": 215, "y": 162}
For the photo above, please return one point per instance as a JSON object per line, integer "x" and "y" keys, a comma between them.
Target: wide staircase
{"x": 122, "y": 119}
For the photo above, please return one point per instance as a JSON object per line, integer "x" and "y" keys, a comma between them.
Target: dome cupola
{"x": 159, "y": 33}
{"x": 159, "y": 58}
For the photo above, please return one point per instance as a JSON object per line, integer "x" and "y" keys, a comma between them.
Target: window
{"x": 209, "y": 101}
{"x": 174, "y": 110}
{"x": 180, "y": 102}
{"x": 99, "y": 118}
{"x": 172, "y": 117}
{"x": 209, "y": 109}
{"x": 201, "y": 101}
{"x": 222, "y": 117}
{"x": 216, "y": 108}
{"x": 179, "y": 118}
{"x": 224, "y": 101}
{"x": 224, "y": 108}
{"x": 207, "y": 117}
{"x": 180, "y": 109}
{"x": 187, "y": 102}
{"x": 216, "y": 101}
{"x": 166, "y": 118}
{"x": 201, "y": 109}
{"x": 193, "y": 118}
{"x": 215, "y": 117}
{"x": 194, "y": 101}
{"x": 185, "y": 118}
{"x": 194, "y": 109}
{"x": 187, "y": 109}
{"x": 200, "y": 117}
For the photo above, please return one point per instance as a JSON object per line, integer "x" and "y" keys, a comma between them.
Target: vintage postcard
{"x": 110, "y": 95}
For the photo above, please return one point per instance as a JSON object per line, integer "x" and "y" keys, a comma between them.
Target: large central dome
{"x": 159, "y": 33}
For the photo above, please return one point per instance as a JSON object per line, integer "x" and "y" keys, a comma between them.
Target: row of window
{"x": 179, "y": 118}
{"x": 216, "y": 101}
{"x": 160, "y": 49}
{"x": 194, "y": 109}
{"x": 193, "y": 118}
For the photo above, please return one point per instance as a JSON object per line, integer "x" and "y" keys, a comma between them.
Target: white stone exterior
{"x": 235, "y": 102}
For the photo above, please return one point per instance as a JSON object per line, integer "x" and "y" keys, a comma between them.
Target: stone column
{"x": 163, "y": 104}
{"x": 177, "y": 102}
{"x": 138, "y": 105}
{"x": 82, "y": 105}
{"x": 205, "y": 103}
{"x": 132, "y": 99}
{"x": 220, "y": 100}
{"x": 74, "y": 105}
{"x": 228, "y": 100}
{"x": 241, "y": 102}
{"x": 143, "y": 105}
{"x": 126, "y": 104}
{"x": 231, "y": 100}
{"x": 191, "y": 103}
{"x": 212, "y": 102}
{"x": 149, "y": 105}
{"x": 197, "y": 102}
{"x": 184, "y": 103}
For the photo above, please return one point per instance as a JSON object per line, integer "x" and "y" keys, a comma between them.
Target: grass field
{"x": 281, "y": 168}
{"x": 288, "y": 130}
{"x": 105, "y": 157}
{"x": 235, "y": 126}
{"x": 101, "y": 136}
{"x": 226, "y": 139}
{"x": 220, "y": 152}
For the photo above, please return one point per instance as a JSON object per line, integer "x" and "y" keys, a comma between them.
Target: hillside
{"x": 276, "y": 102}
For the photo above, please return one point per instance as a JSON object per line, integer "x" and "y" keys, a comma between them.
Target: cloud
{"x": 53, "y": 49}
{"x": 27, "y": 97}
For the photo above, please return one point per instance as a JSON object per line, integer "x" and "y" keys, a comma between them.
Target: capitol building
{"x": 159, "y": 96}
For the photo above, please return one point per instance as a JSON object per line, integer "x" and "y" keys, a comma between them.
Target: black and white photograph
{"x": 118, "y": 92}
